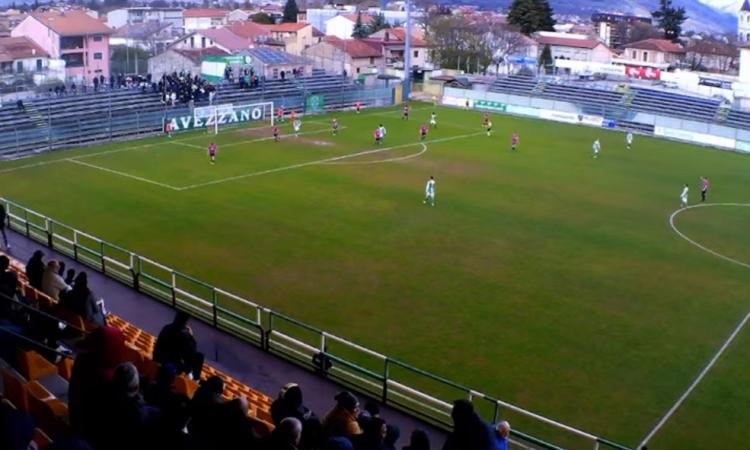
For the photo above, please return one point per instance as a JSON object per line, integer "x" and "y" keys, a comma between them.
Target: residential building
{"x": 204, "y": 18}
{"x": 295, "y": 36}
{"x": 317, "y": 17}
{"x": 221, "y": 38}
{"x": 176, "y": 60}
{"x": 23, "y": 61}
{"x": 241, "y": 15}
{"x": 9, "y": 19}
{"x": 73, "y": 36}
{"x": 743, "y": 22}
{"x": 576, "y": 47}
{"x": 273, "y": 63}
{"x": 118, "y": 18}
{"x": 153, "y": 37}
{"x": 352, "y": 57}
{"x": 659, "y": 53}
{"x": 745, "y": 64}
{"x": 609, "y": 26}
{"x": 391, "y": 41}
{"x": 713, "y": 56}
{"x": 342, "y": 26}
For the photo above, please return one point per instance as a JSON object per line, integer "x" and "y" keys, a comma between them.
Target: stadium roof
{"x": 13, "y": 48}
{"x": 205, "y": 12}
{"x": 196, "y": 55}
{"x": 271, "y": 56}
{"x": 72, "y": 23}
{"x": 568, "y": 42}
{"x": 356, "y": 48}
{"x": 659, "y": 45}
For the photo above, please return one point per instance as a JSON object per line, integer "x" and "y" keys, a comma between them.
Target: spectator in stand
{"x": 96, "y": 84}
{"x": 392, "y": 434}
{"x": 8, "y": 279}
{"x": 338, "y": 443}
{"x": 111, "y": 81}
{"x": 70, "y": 276}
{"x": 3, "y": 223}
{"x": 342, "y": 419}
{"x": 501, "y": 435}
{"x": 52, "y": 282}
{"x": 373, "y": 435}
{"x": 176, "y": 344}
{"x": 35, "y": 269}
{"x": 130, "y": 422}
{"x": 290, "y": 404}
{"x": 98, "y": 357}
{"x": 16, "y": 428}
{"x": 286, "y": 436}
{"x": 469, "y": 430}
{"x": 419, "y": 441}
{"x": 82, "y": 301}
{"x": 173, "y": 407}
{"x": 217, "y": 423}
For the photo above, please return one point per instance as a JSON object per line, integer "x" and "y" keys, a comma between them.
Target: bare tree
{"x": 504, "y": 41}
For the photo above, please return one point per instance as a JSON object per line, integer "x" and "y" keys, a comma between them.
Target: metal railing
{"x": 377, "y": 375}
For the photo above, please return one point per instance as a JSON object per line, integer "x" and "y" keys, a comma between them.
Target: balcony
{"x": 72, "y": 43}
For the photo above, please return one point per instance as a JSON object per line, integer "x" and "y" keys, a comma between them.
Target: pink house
{"x": 73, "y": 36}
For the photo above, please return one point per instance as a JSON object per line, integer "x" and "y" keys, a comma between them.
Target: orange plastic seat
{"x": 16, "y": 390}
{"x": 41, "y": 439}
{"x": 65, "y": 368}
{"x": 185, "y": 386}
{"x": 33, "y": 366}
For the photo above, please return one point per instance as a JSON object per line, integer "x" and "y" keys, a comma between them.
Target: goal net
{"x": 220, "y": 117}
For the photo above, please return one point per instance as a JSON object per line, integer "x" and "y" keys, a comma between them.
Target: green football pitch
{"x": 544, "y": 277}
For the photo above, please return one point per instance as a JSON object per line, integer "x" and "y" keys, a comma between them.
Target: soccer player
{"x": 684, "y": 197}
{"x": 705, "y": 184}
{"x": 357, "y": 106}
{"x": 276, "y": 133}
{"x": 514, "y": 139}
{"x": 629, "y": 139}
{"x": 280, "y": 114}
{"x": 335, "y": 127}
{"x": 378, "y": 136}
{"x": 488, "y": 126}
{"x": 383, "y": 131}
{"x": 429, "y": 192}
{"x": 406, "y": 112}
{"x": 293, "y": 116}
{"x": 485, "y": 119}
{"x": 596, "y": 147}
{"x": 169, "y": 129}
{"x": 297, "y": 124}
{"x": 433, "y": 119}
{"x": 212, "y": 149}
{"x": 423, "y": 132}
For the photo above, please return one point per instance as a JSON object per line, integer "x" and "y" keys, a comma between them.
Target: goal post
{"x": 217, "y": 117}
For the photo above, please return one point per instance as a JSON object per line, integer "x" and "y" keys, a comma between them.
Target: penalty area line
{"x": 123, "y": 174}
{"x": 665, "y": 418}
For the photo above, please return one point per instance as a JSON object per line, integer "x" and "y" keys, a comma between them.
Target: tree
{"x": 261, "y": 17}
{"x": 290, "y": 11}
{"x": 531, "y": 16}
{"x": 505, "y": 41}
{"x": 457, "y": 42}
{"x": 545, "y": 59}
{"x": 670, "y": 19}
{"x": 360, "y": 31}
{"x": 378, "y": 23}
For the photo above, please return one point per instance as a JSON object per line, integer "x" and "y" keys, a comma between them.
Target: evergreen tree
{"x": 290, "y": 11}
{"x": 261, "y": 17}
{"x": 378, "y": 23}
{"x": 531, "y": 16}
{"x": 670, "y": 19}
{"x": 545, "y": 59}
{"x": 360, "y": 30}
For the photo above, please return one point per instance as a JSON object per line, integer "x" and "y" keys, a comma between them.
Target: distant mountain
{"x": 715, "y": 16}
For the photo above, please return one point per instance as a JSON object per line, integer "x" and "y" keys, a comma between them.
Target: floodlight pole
{"x": 407, "y": 54}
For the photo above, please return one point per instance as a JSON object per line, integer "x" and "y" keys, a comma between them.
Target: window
{"x": 19, "y": 66}
{"x": 73, "y": 59}
{"x": 372, "y": 60}
{"x": 71, "y": 42}
{"x": 203, "y": 42}
{"x": 38, "y": 65}
{"x": 98, "y": 56}
{"x": 276, "y": 73}
{"x": 192, "y": 41}
{"x": 416, "y": 53}
{"x": 98, "y": 38}
{"x": 357, "y": 70}
{"x": 632, "y": 55}
{"x": 645, "y": 56}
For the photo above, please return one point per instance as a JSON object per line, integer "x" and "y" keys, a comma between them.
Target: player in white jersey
{"x": 429, "y": 192}
{"x": 596, "y": 147}
{"x": 383, "y": 131}
{"x": 297, "y": 124}
{"x": 684, "y": 197}
{"x": 433, "y": 120}
{"x": 629, "y": 139}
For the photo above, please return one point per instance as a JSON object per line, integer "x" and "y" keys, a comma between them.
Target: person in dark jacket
{"x": 130, "y": 421}
{"x": 35, "y": 269}
{"x": 3, "y": 223}
{"x": 419, "y": 441}
{"x": 286, "y": 436}
{"x": 177, "y": 345}
{"x": 290, "y": 404}
{"x": 469, "y": 430}
{"x": 217, "y": 423}
{"x": 82, "y": 301}
{"x": 392, "y": 433}
{"x": 373, "y": 435}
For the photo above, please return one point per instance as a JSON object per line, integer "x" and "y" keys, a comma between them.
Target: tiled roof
{"x": 226, "y": 38}
{"x": 249, "y": 30}
{"x": 568, "y": 42}
{"x": 659, "y": 45}
{"x": 366, "y": 18}
{"x": 13, "y": 48}
{"x": 195, "y": 55}
{"x": 140, "y": 30}
{"x": 72, "y": 23}
{"x": 287, "y": 27}
{"x": 205, "y": 12}
{"x": 356, "y": 48}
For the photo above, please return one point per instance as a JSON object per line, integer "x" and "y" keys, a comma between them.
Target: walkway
{"x": 239, "y": 359}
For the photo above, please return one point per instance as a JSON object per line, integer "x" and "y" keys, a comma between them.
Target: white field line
{"x": 381, "y": 161}
{"x": 318, "y": 162}
{"x": 270, "y": 138}
{"x": 123, "y": 174}
{"x": 726, "y": 343}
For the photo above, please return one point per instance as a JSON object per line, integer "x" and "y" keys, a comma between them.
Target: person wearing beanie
{"x": 341, "y": 420}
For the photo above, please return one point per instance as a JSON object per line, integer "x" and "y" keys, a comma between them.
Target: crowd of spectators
{"x": 113, "y": 407}
{"x": 184, "y": 87}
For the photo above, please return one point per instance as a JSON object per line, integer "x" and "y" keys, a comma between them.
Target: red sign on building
{"x": 645, "y": 73}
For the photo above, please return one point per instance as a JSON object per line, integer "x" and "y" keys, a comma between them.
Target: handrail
{"x": 268, "y": 332}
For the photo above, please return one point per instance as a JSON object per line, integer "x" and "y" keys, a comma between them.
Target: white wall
{"x": 339, "y": 26}
{"x": 745, "y": 65}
